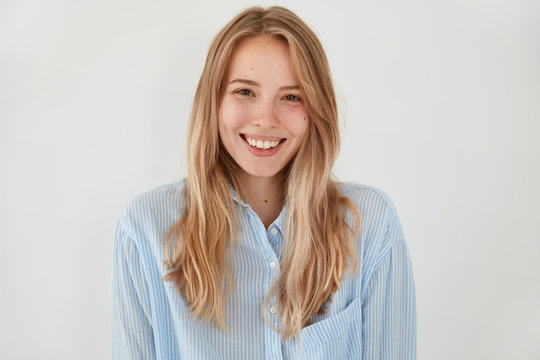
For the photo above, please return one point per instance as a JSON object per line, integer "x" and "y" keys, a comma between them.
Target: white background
{"x": 440, "y": 108}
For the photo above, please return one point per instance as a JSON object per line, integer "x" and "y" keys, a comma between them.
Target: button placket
{"x": 274, "y": 241}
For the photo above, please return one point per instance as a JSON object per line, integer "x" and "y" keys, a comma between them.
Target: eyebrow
{"x": 254, "y": 83}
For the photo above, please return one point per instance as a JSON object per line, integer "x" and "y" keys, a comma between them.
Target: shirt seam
{"x": 125, "y": 227}
{"x": 386, "y": 249}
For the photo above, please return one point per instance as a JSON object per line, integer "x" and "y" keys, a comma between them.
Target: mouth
{"x": 260, "y": 143}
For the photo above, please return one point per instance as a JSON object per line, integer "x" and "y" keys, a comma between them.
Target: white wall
{"x": 440, "y": 105}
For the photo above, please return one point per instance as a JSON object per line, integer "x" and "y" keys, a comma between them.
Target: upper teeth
{"x": 262, "y": 144}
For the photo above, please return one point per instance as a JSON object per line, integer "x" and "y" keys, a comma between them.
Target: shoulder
{"x": 372, "y": 203}
{"x": 380, "y": 228}
{"x": 154, "y": 210}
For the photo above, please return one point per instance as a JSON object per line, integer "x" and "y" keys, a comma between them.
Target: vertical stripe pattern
{"x": 371, "y": 316}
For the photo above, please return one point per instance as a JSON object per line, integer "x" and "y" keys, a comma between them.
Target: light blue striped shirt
{"x": 371, "y": 316}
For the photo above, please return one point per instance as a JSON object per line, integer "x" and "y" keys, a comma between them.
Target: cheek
{"x": 231, "y": 116}
{"x": 297, "y": 122}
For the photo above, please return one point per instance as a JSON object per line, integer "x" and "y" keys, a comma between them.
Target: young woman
{"x": 259, "y": 254}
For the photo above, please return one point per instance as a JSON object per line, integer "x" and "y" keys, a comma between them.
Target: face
{"x": 262, "y": 115}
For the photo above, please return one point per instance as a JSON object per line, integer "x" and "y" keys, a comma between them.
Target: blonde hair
{"x": 318, "y": 242}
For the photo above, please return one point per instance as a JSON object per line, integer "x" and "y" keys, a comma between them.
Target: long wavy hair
{"x": 319, "y": 244}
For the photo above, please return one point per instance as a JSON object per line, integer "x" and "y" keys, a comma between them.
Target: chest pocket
{"x": 336, "y": 337}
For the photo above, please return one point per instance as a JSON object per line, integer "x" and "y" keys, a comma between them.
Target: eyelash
{"x": 247, "y": 92}
{"x": 243, "y": 92}
{"x": 296, "y": 98}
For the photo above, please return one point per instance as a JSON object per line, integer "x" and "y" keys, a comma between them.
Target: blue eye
{"x": 292, "y": 98}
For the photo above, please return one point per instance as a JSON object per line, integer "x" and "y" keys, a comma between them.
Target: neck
{"x": 263, "y": 195}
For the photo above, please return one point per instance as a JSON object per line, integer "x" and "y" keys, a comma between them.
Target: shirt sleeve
{"x": 132, "y": 334}
{"x": 389, "y": 306}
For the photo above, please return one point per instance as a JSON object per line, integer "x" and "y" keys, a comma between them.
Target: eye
{"x": 244, "y": 92}
{"x": 292, "y": 98}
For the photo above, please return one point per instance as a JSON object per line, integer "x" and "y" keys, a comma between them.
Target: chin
{"x": 262, "y": 172}
{"x": 265, "y": 174}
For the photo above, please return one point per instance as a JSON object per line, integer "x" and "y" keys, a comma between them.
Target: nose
{"x": 265, "y": 116}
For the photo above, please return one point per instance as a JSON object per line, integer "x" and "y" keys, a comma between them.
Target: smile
{"x": 264, "y": 144}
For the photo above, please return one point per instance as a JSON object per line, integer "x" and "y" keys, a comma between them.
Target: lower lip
{"x": 262, "y": 152}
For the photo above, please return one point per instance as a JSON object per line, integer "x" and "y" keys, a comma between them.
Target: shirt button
{"x": 272, "y": 264}
{"x": 273, "y": 310}
{"x": 273, "y": 231}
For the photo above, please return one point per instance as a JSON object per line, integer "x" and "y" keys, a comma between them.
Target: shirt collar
{"x": 235, "y": 196}
{"x": 281, "y": 219}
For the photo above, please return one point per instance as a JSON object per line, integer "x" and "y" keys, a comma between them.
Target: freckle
{"x": 250, "y": 68}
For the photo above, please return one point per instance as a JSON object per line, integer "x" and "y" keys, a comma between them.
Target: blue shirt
{"x": 371, "y": 316}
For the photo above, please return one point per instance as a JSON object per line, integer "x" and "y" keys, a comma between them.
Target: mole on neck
{"x": 263, "y": 194}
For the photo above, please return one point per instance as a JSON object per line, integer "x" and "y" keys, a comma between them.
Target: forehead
{"x": 262, "y": 56}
